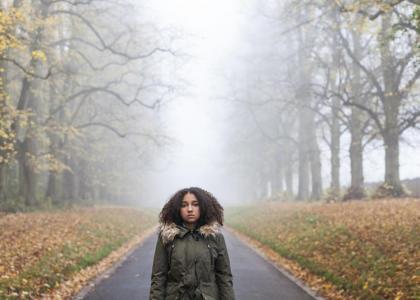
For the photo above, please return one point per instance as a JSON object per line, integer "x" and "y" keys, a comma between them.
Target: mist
{"x": 204, "y": 122}
{"x": 249, "y": 101}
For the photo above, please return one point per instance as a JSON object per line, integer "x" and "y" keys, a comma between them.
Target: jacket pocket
{"x": 172, "y": 291}
{"x": 209, "y": 291}
{"x": 207, "y": 297}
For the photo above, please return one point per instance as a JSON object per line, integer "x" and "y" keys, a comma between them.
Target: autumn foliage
{"x": 365, "y": 250}
{"x": 40, "y": 250}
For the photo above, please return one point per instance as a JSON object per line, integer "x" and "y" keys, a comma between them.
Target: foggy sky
{"x": 198, "y": 118}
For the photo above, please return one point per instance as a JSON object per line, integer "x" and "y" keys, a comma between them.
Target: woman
{"x": 191, "y": 259}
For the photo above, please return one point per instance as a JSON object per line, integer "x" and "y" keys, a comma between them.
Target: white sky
{"x": 212, "y": 28}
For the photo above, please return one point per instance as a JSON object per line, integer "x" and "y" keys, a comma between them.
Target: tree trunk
{"x": 51, "y": 191}
{"x": 2, "y": 182}
{"x": 29, "y": 100}
{"x": 391, "y": 103}
{"x": 288, "y": 176}
{"x": 335, "y": 110}
{"x": 278, "y": 176}
{"x": 303, "y": 96}
{"x": 3, "y": 141}
{"x": 28, "y": 149}
{"x": 315, "y": 159}
{"x": 29, "y": 175}
{"x": 280, "y": 179}
{"x": 303, "y": 168}
{"x": 84, "y": 191}
{"x": 69, "y": 187}
{"x": 27, "y": 181}
{"x": 356, "y": 189}
{"x": 335, "y": 152}
{"x": 391, "y": 141}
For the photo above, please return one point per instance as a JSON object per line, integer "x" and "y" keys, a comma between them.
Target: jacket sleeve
{"x": 224, "y": 278}
{"x": 159, "y": 272}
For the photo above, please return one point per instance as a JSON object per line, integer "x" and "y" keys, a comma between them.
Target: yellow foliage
{"x": 39, "y": 55}
{"x": 3, "y": 134}
{"x": 9, "y": 19}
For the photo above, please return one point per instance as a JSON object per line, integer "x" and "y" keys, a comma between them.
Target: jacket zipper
{"x": 211, "y": 256}
{"x": 170, "y": 254}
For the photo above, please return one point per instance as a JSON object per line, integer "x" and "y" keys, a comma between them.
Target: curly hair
{"x": 210, "y": 209}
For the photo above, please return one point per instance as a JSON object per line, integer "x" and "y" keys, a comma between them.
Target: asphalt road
{"x": 253, "y": 277}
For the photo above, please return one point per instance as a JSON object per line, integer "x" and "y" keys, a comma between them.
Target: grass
{"x": 370, "y": 250}
{"x": 40, "y": 250}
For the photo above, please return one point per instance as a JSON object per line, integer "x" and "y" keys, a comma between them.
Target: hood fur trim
{"x": 169, "y": 231}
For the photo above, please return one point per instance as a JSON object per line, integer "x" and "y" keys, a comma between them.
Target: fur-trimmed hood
{"x": 169, "y": 231}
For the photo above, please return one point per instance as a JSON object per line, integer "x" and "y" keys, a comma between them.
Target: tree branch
{"x": 104, "y": 44}
{"x": 44, "y": 77}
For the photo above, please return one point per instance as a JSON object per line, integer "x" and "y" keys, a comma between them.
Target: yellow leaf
{"x": 40, "y": 55}
{"x": 366, "y": 285}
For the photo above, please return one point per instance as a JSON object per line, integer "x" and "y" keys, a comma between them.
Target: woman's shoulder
{"x": 167, "y": 232}
{"x": 212, "y": 229}
{"x": 213, "y": 233}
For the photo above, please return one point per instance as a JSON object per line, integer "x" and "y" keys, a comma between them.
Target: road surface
{"x": 253, "y": 276}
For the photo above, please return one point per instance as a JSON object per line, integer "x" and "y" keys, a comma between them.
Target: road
{"x": 253, "y": 276}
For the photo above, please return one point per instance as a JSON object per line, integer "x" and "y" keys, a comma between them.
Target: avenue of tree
{"x": 81, "y": 85}
{"x": 318, "y": 72}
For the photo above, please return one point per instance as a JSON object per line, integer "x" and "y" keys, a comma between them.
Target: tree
{"x": 79, "y": 79}
{"x": 393, "y": 84}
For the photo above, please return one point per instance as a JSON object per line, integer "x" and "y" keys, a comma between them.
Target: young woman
{"x": 191, "y": 259}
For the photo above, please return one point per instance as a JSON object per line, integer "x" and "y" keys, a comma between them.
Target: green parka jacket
{"x": 191, "y": 264}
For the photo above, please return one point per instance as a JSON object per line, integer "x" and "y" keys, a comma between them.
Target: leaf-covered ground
{"x": 41, "y": 250}
{"x": 362, "y": 249}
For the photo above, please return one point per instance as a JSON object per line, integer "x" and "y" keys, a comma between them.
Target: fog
{"x": 197, "y": 119}
{"x": 129, "y": 101}
{"x": 217, "y": 38}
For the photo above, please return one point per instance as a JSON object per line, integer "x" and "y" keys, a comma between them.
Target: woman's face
{"x": 190, "y": 210}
